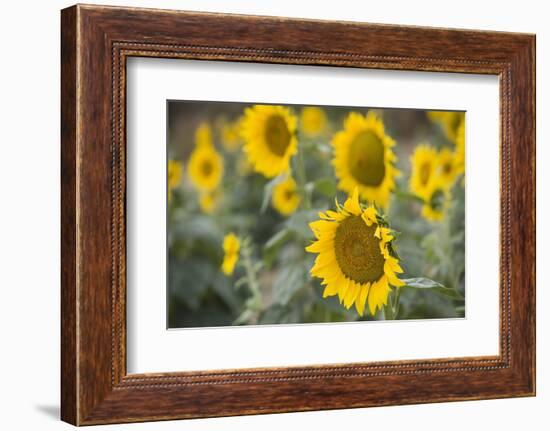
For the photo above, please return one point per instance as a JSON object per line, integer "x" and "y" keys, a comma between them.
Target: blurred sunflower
{"x": 449, "y": 121}
{"x": 355, "y": 255}
{"x": 208, "y": 201}
{"x": 460, "y": 154}
{"x": 363, "y": 158}
{"x": 205, "y": 167}
{"x": 447, "y": 167}
{"x": 203, "y": 135}
{"x": 285, "y": 198}
{"x": 269, "y": 133}
{"x": 313, "y": 121}
{"x": 231, "y": 248}
{"x": 423, "y": 169}
{"x": 175, "y": 170}
{"x": 230, "y": 133}
{"x": 436, "y": 200}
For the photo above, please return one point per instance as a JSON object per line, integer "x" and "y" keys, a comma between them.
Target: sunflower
{"x": 313, "y": 121}
{"x": 175, "y": 170}
{"x": 424, "y": 165}
{"x": 436, "y": 200}
{"x": 269, "y": 133}
{"x": 363, "y": 158}
{"x": 230, "y": 133}
{"x": 203, "y": 135}
{"x": 205, "y": 167}
{"x": 447, "y": 168}
{"x": 355, "y": 256}
{"x": 208, "y": 201}
{"x": 231, "y": 248}
{"x": 449, "y": 120}
{"x": 460, "y": 153}
{"x": 285, "y": 197}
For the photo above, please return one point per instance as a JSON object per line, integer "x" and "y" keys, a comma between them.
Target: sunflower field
{"x": 282, "y": 214}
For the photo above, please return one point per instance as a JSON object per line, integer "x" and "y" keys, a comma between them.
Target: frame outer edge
{"x": 523, "y": 217}
{"x": 69, "y": 197}
{"x": 533, "y": 55}
{"x": 89, "y": 395}
{"x": 532, "y": 101}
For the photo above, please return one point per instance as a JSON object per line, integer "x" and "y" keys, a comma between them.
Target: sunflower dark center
{"x": 424, "y": 173}
{"x": 366, "y": 159}
{"x": 207, "y": 168}
{"x": 277, "y": 135}
{"x": 357, "y": 250}
{"x": 447, "y": 168}
{"x": 289, "y": 194}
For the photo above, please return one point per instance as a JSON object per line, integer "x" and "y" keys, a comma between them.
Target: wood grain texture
{"x": 96, "y": 42}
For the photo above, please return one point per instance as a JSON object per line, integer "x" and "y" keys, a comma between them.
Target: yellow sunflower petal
{"x": 392, "y": 278}
{"x": 361, "y": 299}
{"x": 352, "y": 203}
{"x": 386, "y": 235}
{"x": 378, "y": 295}
{"x": 322, "y": 226}
{"x": 345, "y": 286}
{"x": 317, "y": 247}
{"x": 393, "y": 264}
{"x": 330, "y": 290}
{"x": 369, "y": 215}
{"x": 352, "y": 292}
{"x": 331, "y": 216}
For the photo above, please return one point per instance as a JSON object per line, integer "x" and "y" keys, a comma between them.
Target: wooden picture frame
{"x": 96, "y": 41}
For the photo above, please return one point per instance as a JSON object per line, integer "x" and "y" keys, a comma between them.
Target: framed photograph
{"x": 266, "y": 215}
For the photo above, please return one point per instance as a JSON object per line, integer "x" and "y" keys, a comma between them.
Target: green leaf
{"x": 188, "y": 279}
{"x": 257, "y": 266}
{"x": 241, "y": 282}
{"x": 274, "y": 244}
{"x": 245, "y": 317}
{"x": 222, "y": 286}
{"x": 405, "y": 195}
{"x": 299, "y": 222}
{"x": 426, "y": 283}
{"x": 254, "y": 303}
{"x": 289, "y": 280}
{"x": 277, "y": 239}
{"x": 197, "y": 227}
{"x": 325, "y": 186}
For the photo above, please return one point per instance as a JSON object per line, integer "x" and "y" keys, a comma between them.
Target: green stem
{"x": 388, "y": 311}
{"x": 252, "y": 279}
{"x": 392, "y": 307}
{"x": 396, "y": 303}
